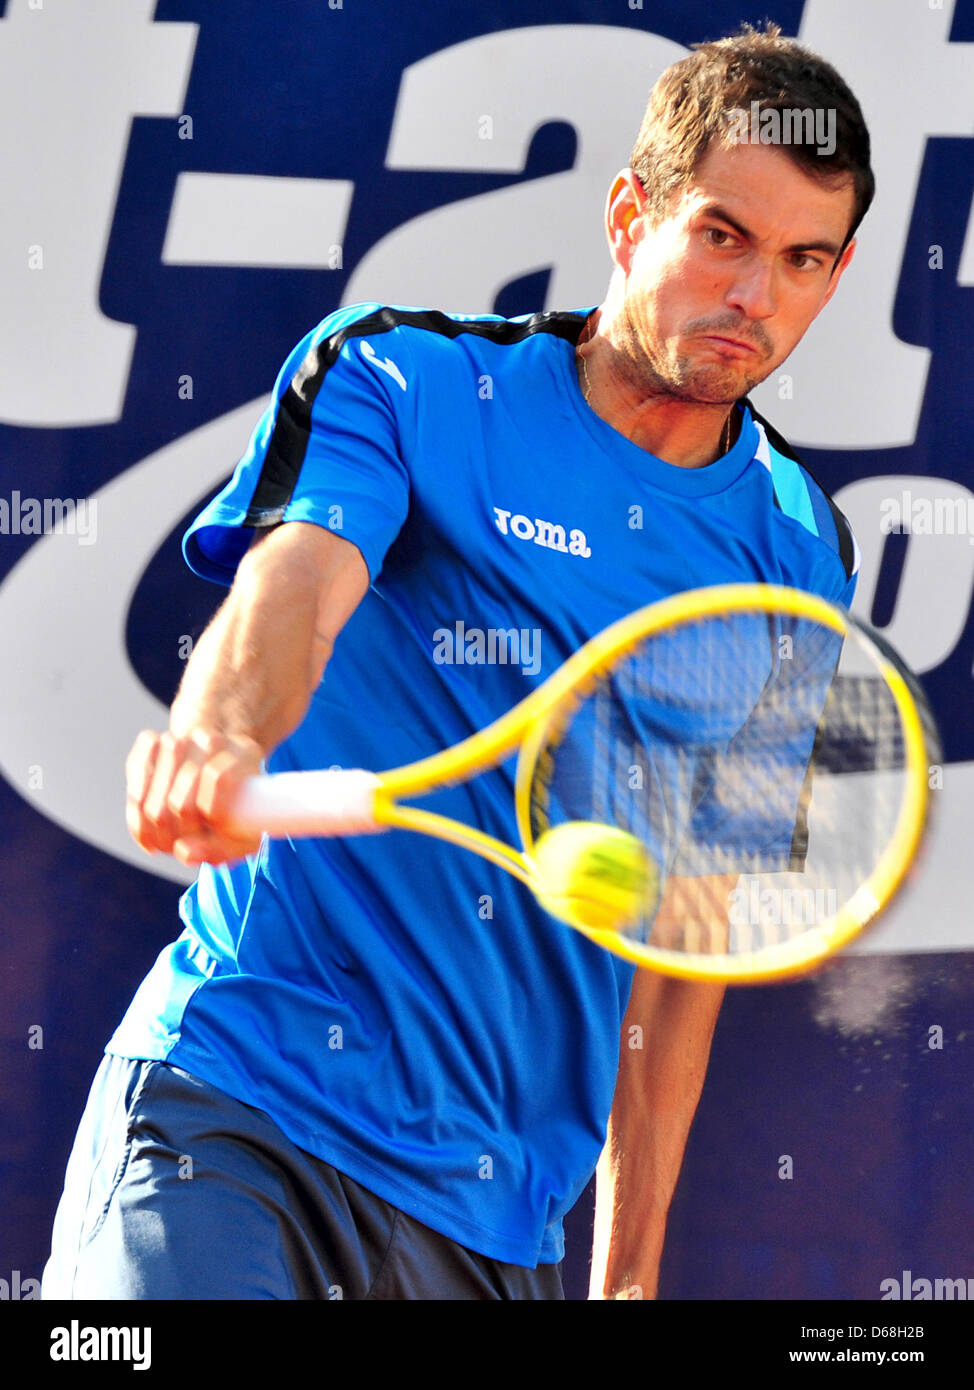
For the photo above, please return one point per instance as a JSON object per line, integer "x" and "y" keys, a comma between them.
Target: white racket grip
{"x": 336, "y": 801}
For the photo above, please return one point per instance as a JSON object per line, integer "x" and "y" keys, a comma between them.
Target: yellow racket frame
{"x": 527, "y": 725}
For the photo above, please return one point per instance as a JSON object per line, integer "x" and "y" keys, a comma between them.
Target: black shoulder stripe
{"x": 292, "y": 429}
{"x": 843, "y": 531}
{"x": 847, "y": 549}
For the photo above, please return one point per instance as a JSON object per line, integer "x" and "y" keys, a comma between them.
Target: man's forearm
{"x": 250, "y": 673}
{"x": 247, "y": 687}
{"x": 256, "y": 666}
{"x": 661, "y": 1074}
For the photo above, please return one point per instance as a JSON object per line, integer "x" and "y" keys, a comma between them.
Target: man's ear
{"x": 623, "y": 211}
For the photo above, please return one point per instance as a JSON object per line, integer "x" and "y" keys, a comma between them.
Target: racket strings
{"x": 761, "y": 762}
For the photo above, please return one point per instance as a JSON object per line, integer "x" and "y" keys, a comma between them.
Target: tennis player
{"x": 374, "y": 1067}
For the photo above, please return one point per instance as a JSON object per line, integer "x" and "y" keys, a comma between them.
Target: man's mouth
{"x": 730, "y": 344}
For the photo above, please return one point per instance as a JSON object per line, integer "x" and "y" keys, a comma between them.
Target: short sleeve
{"x": 326, "y": 451}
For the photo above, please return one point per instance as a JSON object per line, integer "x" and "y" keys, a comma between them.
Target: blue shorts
{"x": 175, "y": 1190}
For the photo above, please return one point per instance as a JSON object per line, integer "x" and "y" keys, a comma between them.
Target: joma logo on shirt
{"x": 541, "y": 532}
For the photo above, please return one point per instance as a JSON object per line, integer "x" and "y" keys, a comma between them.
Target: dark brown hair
{"x": 694, "y": 102}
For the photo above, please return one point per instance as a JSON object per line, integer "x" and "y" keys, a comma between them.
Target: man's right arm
{"x": 246, "y": 687}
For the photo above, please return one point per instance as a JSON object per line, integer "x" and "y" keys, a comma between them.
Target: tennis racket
{"x": 769, "y": 752}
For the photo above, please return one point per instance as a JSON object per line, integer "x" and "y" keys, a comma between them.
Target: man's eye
{"x": 802, "y": 261}
{"x": 717, "y": 236}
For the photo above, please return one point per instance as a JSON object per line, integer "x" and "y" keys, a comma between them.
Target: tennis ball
{"x": 594, "y": 875}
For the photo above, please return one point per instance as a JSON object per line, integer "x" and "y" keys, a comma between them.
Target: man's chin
{"x": 719, "y": 385}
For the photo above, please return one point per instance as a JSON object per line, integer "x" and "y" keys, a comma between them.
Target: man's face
{"x": 745, "y": 253}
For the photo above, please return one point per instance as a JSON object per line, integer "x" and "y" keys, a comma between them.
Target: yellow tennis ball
{"x": 594, "y": 875}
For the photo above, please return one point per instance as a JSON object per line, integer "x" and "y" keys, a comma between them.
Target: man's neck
{"x": 685, "y": 433}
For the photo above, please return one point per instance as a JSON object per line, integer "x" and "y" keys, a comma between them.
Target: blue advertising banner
{"x": 188, "y": 188}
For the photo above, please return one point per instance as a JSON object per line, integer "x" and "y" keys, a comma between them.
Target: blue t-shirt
{"x": 400, "y": 1007}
